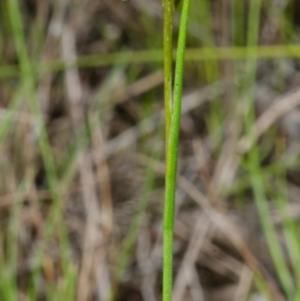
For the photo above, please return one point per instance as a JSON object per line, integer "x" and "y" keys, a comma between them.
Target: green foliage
{"x": 259, "y": 170}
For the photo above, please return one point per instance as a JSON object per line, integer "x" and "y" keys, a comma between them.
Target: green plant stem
{"x": 168, "y": 60}
{"x": 172, "y": 153}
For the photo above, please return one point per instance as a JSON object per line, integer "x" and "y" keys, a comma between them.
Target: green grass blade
{"x": 254, "y": 156}
{"x": 172, "y": 153}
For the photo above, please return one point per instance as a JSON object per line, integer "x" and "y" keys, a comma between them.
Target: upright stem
{"x": 168, "y": 45}
{"x": 172, "y": 154}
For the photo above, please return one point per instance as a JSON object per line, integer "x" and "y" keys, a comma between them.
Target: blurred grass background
{"x": 82, "y": 151}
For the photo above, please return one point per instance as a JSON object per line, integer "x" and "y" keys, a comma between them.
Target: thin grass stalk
{"x": 168, "y": 60}
{"x": 290, "y": 228}
{"x": 172, "y": 154}
{"x": 256, "y": 176}
{"x": 156, "y": 55}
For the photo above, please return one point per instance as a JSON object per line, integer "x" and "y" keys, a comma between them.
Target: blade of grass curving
{"x": 275, "y": 249}
{"x": 256, "y": 177}
{"x": 28, "y": 87}
{"x": 172, "y": 153}
{"x": 55, "y": 218}
{"x": 289, "y": 226}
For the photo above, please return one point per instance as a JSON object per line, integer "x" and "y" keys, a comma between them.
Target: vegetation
{"x": 85, "y": 149}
